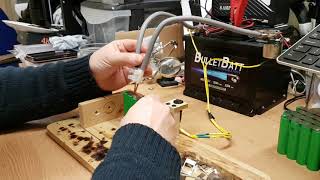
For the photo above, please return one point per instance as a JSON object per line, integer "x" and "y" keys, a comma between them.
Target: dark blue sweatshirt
{"x": 137, "y": 152}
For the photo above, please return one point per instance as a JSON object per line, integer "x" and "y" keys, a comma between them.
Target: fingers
{"x": 148, "y": 71}
{"x": 144, "y": 48}
{"x": 155, "y": 98}
{"x": 149, "y": 99}
{"x": 126, "y": 59}
{"x": 128, "y": 45}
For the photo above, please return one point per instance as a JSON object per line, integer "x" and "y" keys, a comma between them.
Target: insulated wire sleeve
{"x": 223, "y": 133}
{"x": 148, "y": 21}
{"x": 178, "y": 19}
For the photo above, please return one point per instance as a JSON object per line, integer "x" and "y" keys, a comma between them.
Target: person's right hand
{"x": 149, "y": 111}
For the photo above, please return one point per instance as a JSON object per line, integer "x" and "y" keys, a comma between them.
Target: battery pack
{"x": 129, "y": 99}
{"x": 246, "y": 91}
{"x": 299, "y": 137}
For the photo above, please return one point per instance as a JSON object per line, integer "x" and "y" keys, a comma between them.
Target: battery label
{"x": 225, "y": 73}
{"x": 220, "y": 63}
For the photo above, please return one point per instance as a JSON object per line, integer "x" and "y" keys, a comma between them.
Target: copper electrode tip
{"x": 135, "y": 88}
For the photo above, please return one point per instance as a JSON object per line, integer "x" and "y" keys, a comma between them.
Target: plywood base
{"x": 82, "y": 143}
{"x": 105, "y": 131}
{"x": 89, "y": 145}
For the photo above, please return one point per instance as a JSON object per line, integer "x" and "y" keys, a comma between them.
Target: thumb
{"x": 126, "y": 59}
{"x": 154, "y": 97}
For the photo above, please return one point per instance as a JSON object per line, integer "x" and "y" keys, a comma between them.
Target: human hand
{"x": 110, "y": 65}
{"x": 149, "y": 111}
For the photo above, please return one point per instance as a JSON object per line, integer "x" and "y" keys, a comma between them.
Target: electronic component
{"x": 249, "y": 91}
{"x": 304, "y": 54}
{"x": 192, "y": 169}
{"x": 167, "y": 82}
{"x": 176, "y": 105}
{"x": 188, "y": 167}
{"x": 255, "y": 102}
{"x": 299, "y": 137}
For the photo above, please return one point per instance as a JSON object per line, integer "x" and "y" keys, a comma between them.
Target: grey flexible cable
{"x": 148, "y": 21}
{"x": 178, "y": 19}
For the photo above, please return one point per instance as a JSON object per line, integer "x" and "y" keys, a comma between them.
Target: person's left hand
{"x": 110, "y": 65}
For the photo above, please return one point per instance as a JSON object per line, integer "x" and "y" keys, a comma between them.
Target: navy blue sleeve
{"x": 37, "y": 92}
{"x": 138, "y": 152}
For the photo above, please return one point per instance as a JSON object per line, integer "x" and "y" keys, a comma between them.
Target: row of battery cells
{"x": 299, "y": 138}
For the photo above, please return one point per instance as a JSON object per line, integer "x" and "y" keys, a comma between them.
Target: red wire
{"x": 285, "y": 42}
{"x": 248, "y": 23}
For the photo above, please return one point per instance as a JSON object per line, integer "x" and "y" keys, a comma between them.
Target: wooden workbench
{"x": 31, "y": 154}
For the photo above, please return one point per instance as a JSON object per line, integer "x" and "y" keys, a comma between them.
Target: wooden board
{"x": 30, "y": 154}
{"x": 101, "y": 109}
{"x": 67, "y": 137}
{"x": 211, "y": 156}
{"x": 104, "y": 132}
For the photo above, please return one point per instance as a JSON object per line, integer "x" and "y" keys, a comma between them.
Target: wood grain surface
{"x": 31, "y": 154}
{"x": 88, "y": 144}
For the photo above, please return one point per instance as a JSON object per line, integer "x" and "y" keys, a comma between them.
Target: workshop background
{"x": 229, "y": 84}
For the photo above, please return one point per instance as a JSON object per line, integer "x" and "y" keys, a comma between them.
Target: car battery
{"x": 248, "y": 91}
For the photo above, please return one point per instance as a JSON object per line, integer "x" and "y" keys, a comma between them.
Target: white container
{"x": 103, "y": 24}
{"x": 111, "y": 2}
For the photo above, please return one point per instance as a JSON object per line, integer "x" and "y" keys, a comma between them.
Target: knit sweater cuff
{"x": 79, "y": 80}
{"x": 144, "y": 141}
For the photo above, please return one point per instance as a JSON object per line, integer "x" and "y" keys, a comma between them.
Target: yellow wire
{"x": 224, "y": 133}
{"x": 187, "y": 134}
